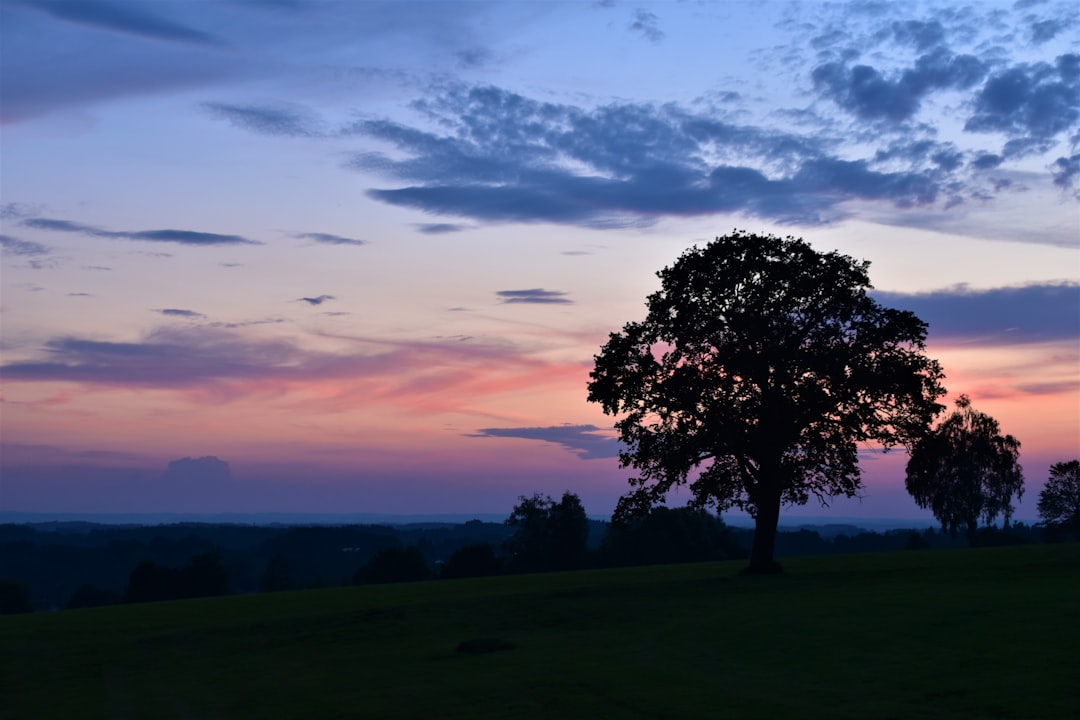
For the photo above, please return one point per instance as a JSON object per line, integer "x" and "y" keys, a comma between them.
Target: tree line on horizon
{"x": 73, "y": 565}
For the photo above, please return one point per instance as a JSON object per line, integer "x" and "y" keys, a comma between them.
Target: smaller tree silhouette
{"x": 151, "y": 582}
{"x": 277, "y": 576}
{"x": 203, "y": 576}
{"x": 1059, "y": 501}
{"x": 965, "y": 471}
{"x": 472, "y": 561}
{"x": 550, "y": 535}
{"x": 394, "y": 565}
{"x": 14, "y": 597}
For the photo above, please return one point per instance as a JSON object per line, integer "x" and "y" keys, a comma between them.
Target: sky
{"x": 315, "y": 256}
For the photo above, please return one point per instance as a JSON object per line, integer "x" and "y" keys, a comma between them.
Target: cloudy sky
{"x": 304, "y": 255}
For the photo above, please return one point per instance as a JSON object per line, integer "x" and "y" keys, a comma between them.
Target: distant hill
{"x": 825, "y": 526}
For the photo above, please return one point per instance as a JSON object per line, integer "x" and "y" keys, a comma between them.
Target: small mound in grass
{"x": 476, "y": 646}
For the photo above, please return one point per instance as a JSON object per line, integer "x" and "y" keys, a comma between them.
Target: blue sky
{"x": 363, "y": 252}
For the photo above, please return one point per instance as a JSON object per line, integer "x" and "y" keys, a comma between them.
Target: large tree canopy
{"x": 761, "y": 366}
{"x": 966, "y": 470}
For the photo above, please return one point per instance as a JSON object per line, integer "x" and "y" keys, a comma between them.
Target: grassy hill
{"x": 990, "y": 633}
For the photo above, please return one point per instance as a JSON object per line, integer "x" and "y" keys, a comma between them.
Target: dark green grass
{"x": 988, "y": 633}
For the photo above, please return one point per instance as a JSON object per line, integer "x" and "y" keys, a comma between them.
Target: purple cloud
{"x": 535, "y": 296}
{"x": 319, "y": 300}
{"x": 997, "y": 316}
{"x": 182, "y": 237}
{"x": 328, "y": 239}
{"x": 587, "y": 441}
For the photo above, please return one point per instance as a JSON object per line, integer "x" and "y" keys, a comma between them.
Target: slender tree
{"x": 966, "y": 471}
{"x": 1059, "y": 501}
{"x": 760, "y": 367}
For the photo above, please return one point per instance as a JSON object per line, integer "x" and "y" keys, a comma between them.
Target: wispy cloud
{"x": 182, "y": 237}
{"x": 25, "y": 248}
{"x": 198, "y": 471}
{"x": 213, "y": 364}
{"x": 534, "y": 296}
{"x": 179, "y": 312}
{"x": 647, "y": 24}
{"x": 317, "y": 300}
{"x": 127, "y": 18}
{"x": 587, "y": 441}
{"x": 328, "y": 239}
{"x": 285, "y": 120}
{"x": 440, "y": 228}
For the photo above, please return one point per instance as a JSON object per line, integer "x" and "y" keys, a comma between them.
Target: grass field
{"x": 990, "y": 633}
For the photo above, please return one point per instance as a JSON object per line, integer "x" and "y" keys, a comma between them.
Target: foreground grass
{"x": 949, "y": 634}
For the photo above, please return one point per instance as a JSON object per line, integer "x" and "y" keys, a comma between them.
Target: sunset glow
{"x": 364, "y": 253}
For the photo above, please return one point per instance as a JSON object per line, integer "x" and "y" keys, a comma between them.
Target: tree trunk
{"x": 765, "y": 522}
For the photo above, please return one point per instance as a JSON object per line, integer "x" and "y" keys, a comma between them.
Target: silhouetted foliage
{"x": 916, "y": 541}
{"x": 394, "y": 565}
{"x": 550, "y": 535}
{"x": 965, "y": 471}
{"x": 277, "y": 576}
{"x": 150, "y": 582}
{"x": 472, "y": 561}
{"x": 87, "y": 596}
{"x": 761, "y": 366}
{"x": 203, "y": 576}
{"x": 14, "y": 597}
{"x": 670, "y": 535}
{"x": 1012, "y": 534}
{"x": 1059, "y": 501}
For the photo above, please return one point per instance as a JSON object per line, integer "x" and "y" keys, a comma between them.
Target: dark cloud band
{"x": 587, "y": 441}
{"x": 182, "y": 237}
{"x": 998, "y": 316}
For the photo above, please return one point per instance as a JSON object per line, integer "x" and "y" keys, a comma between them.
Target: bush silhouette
{"x": 14, "y": 597}
{"x": 87, "y": 596}
{"x": 203, "y": 576}
{"x": 394, "y": 565}
{"x": 670, "y": 535}
{"x": 472, "y": 561}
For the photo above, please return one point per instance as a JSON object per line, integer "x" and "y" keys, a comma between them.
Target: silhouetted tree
{"x": 761, "y": 366}
{"x": 14, "y": 597}
{"x": 203, "y": 576}
{"x": 472, "y": 561}
{"x": 916, "y": 541}
{"x": 150, "y": 582}
{"x": 1059, "y": 501}
{"x": 87, "y": 596}
{"x": 670, "y": 535}
{"x": 966, "y": 471}
{"x": 550, "y": 535}
{"x": 394, "y": 565}
{"x": 277, "y": 575}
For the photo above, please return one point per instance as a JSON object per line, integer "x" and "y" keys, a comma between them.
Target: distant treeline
{"x": 53, "y": 566}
